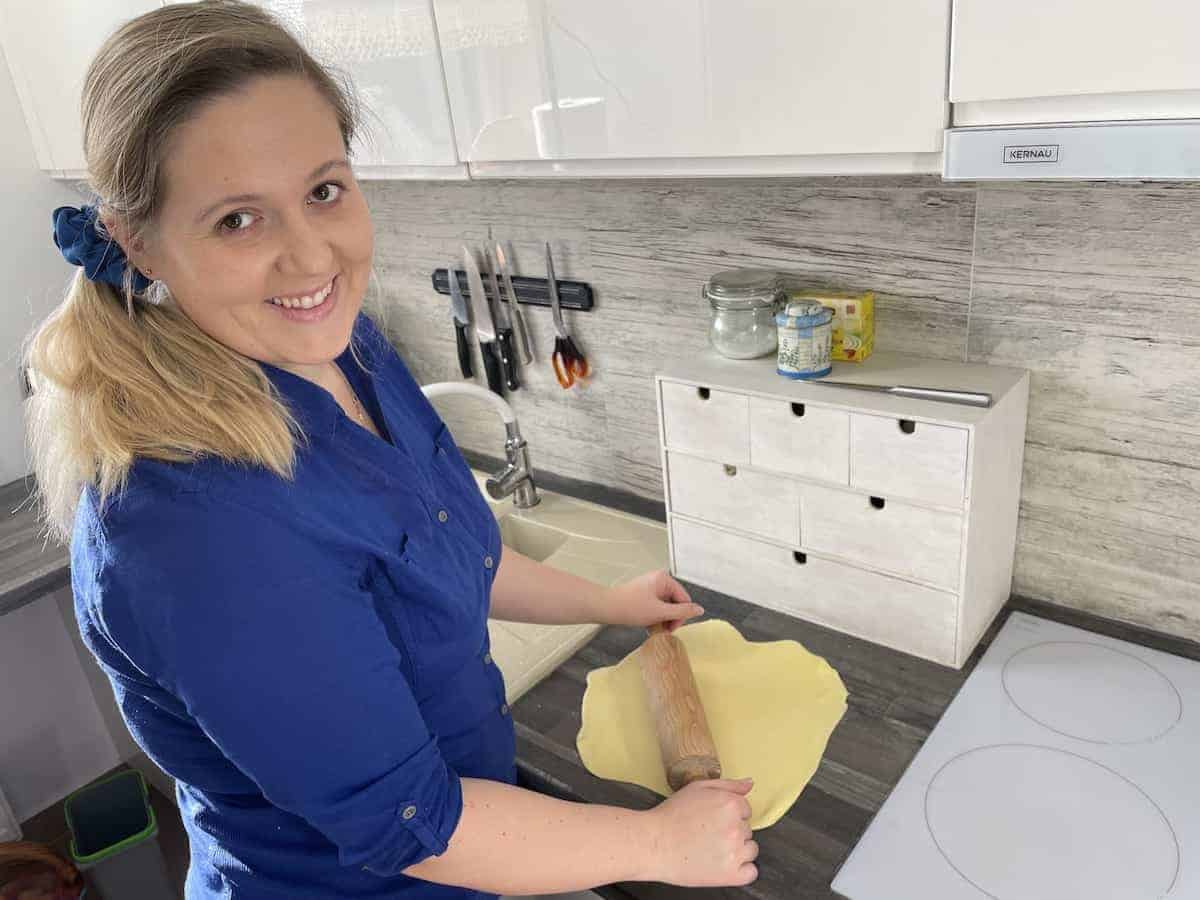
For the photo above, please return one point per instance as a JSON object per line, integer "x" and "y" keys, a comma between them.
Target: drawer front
{"x": 735, "y": 497}
{"x": 702, "y": 420}
{"x": 799, "y": 438}
{"x": 907, "y": 540}
{"x": 902, "y": 458}
{"x": 895, "y": 613}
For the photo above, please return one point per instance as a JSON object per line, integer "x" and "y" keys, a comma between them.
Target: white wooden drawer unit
{"x": 887, "y": 518}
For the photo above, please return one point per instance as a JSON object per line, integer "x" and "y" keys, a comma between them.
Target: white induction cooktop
{"x": 1068, "y": 766}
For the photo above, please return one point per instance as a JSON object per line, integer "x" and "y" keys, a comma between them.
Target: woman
{"x": 279, "y": 556}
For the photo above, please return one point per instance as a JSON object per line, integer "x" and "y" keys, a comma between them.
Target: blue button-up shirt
{"x": 308, "y": 658}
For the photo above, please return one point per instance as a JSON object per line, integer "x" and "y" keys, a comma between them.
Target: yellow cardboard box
{"x": 853, "y": 322}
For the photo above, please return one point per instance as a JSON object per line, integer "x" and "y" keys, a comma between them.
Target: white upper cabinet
{"x": 1072, "y": 60}
{"x": 49, "y": 46}
{"x": 389, "y": 49}
{"x": 577, "y": 80}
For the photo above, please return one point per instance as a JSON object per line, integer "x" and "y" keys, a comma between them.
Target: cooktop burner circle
{"x": 1091, "y": 692}
{"x": 1038, "y": 823}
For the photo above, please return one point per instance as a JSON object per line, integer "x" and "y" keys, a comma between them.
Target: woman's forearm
{"x": 528, "y": 591}
{"x": 514, "y": 841}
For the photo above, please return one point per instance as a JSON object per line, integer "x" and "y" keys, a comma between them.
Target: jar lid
{"x": 804, "y": 314}
{"x": 742, "y": 288}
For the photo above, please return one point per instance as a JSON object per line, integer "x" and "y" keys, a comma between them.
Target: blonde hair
{"x": 118, "y": 376}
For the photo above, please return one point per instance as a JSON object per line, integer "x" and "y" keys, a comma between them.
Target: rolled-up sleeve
{"x": 275, "y": 648}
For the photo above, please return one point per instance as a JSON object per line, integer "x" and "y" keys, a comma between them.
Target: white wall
{"x": 53, "y": 738}
{"x": 53, "y": 734}
{"x": 34, "y": 273}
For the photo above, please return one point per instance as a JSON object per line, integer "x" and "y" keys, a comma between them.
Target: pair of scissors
{"x": 570, "y": 365}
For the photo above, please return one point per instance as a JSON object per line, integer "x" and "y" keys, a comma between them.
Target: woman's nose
{"x": 304, "y": 248}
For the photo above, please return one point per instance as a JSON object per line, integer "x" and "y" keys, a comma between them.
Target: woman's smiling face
{"x": 261, "y": 218}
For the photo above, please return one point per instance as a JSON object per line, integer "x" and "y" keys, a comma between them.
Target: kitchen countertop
{"x": 895, "y": 701}
{"x": 30, "y": 566}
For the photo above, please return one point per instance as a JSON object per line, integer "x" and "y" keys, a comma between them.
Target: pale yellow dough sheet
{"x": 771, "y": 708}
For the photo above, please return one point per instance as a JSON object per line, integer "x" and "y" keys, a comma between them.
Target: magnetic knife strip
{"x": 531, "y": 291}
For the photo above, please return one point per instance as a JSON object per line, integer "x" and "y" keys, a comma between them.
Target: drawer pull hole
{"x": 797, "y": 409}
{"x": 878, "y": 502}
{"x": 730, "y": 470}
{"x": 703, "y": 392}
{"x": 908, "y": 426}
{"x": 800, "y": 558}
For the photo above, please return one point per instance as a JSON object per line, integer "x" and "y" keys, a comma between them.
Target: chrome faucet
{"x": 516, "y": 478}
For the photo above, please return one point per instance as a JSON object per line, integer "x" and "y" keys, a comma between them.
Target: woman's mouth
{"x": 309, "y": 307}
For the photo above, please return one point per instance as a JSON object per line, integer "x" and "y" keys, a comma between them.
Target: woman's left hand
{"x": 648, "y": 600}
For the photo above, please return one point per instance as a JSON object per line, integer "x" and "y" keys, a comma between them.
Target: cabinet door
{"x": 49, "y": 46}
{"x": 1058, "y": 48}
{"x": 389, "y": 49}
{"x": 576, "y": 79}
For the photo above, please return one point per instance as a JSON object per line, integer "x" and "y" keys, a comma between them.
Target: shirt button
{"x": 504, "y": 709}
{"x": 487, "y": 658}
{"x": 487, "y": 562}
{"x": 409, "y": 812}
{"x": 443, "y": 516}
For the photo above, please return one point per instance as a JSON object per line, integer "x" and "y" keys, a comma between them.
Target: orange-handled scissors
{"x": 568, "y": 360}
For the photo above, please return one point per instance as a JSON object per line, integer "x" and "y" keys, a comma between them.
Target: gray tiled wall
{"x": 1095, "y": 288}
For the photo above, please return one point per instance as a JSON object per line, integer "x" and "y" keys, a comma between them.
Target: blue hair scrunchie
{"x": 101, "y": 257}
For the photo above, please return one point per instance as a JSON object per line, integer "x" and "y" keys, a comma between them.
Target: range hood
{"x": 1162, "y": 150}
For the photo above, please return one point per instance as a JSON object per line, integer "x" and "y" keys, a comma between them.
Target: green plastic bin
{"x": 114, "y": 840}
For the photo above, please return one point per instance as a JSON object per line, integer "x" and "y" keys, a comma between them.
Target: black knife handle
{"x": 464, "y": 349}
{"x": 504, "y": 344}
{"x": 491, "y": 365}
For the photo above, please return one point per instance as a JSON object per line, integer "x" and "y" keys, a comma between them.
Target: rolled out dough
{"x": 771, "y": 707}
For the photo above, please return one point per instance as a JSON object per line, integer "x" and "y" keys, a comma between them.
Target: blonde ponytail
{"x": 110, "y": 386}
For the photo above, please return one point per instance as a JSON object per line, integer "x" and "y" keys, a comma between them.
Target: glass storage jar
{"x": 744, "y": 303}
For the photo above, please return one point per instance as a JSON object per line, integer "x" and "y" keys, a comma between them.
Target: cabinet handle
{"x": 908, "y": 426}
{"x": 800, "y": 558}
{"x": 730, "y": 470}
{"x": 878, "y": 502}
{"x": 798, "y": 409}
{"x": 703, "y": 392}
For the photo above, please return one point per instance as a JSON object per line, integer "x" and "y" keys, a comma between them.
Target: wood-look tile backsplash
{"x": 1095, "y": 288}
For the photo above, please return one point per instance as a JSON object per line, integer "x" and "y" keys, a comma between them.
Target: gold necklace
{"x": 358, "y": 410}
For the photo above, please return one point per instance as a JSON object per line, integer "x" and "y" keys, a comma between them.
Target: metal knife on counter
{"x": 942, "y": 395}
{"x": 485, "y": 326}
{"x": 462, "y": 321}
{"x": 504, "y": 329}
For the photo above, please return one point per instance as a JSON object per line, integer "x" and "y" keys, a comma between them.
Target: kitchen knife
{"x": 518, "y": 320}
{"x": 485, "y": 327}
{"x": 965, "y": 398}
{"x": 504, "y": 331}
{"x": 462, "y": 321}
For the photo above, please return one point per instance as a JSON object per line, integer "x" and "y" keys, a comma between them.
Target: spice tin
{"x": 805, "y": 340}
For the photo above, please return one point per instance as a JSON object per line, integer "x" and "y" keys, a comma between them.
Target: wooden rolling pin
{"x": 684, "y": 739}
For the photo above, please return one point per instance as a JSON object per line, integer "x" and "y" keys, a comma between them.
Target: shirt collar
{"x": 313, "y": 407}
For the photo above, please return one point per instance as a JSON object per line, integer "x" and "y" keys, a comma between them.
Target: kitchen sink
{"x": 602, "y": 545}
{"x": 538, "y": 542}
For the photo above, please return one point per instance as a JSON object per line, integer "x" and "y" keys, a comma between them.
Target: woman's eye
{"x": 327, "y": 192}
{"x": 238, "y": 221}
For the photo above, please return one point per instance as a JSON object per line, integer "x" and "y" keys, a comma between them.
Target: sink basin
{"x": 538, "y": 542}
{"x": 602, "y": 545}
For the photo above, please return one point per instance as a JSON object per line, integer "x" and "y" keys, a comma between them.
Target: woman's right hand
{"x": 703, "y": 836}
